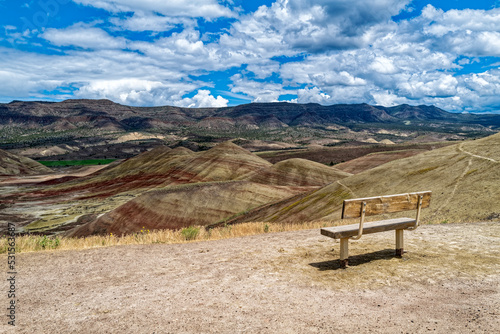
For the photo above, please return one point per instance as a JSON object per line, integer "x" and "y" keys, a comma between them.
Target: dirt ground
{"x": 290, "y": 282}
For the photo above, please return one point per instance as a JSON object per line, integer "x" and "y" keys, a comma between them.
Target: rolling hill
{"x": 464, "y": 179}
{"x": 13, "y": 164}
{"x": 372, "y": 160}
{"x": 163, "y": 166}
{"x": 197, "y": 188}
{"x": 174, "y": 188}
{"x": 297, "y": 172}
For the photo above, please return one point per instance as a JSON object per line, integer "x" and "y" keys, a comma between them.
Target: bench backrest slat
{"x": 385, "y": 204}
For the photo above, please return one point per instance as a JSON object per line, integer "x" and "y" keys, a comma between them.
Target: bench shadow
{"x": 356, "y": 260}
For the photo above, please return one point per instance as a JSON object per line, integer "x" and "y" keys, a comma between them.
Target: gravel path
{"x": 447, "y": 282}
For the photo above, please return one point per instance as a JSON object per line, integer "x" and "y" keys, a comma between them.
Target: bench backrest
{"x": 352, "y": 208}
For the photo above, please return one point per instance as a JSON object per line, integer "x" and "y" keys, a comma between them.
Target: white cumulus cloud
{"x": 312, "y": 95}
{"x": 84, "y": 37}
{"x": 203, "y": 99}
{"x": 325, "y": 51}
{"x": 209, "y": 9}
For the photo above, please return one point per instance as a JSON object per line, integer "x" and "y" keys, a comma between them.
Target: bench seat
{"x": 347, "y": 231}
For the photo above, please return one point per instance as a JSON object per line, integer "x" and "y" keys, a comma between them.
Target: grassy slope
{"x": 376, "y": 159}
{"x": 464, "y": 178}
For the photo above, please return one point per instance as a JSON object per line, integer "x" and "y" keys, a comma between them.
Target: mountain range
{"x": 107, "y": 115}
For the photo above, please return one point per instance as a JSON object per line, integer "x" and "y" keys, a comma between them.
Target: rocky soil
{"x": 290, "y": 282}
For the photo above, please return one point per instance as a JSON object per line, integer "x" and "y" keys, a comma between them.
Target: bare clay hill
{"x": 163, "y": 166}
{"x": 13, "y": 164}
{"x": 299, "y": 172}
{"x": 464, "y": 179}
{"x": 182, "y": 206}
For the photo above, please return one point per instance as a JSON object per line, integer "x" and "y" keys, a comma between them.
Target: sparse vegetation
{"x": 33, "y": 243}
{"x": 48, "y": 242}
{"x": 422, "y": 171}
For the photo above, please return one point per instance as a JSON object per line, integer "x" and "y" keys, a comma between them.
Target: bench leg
{"x": 399, "y": 243}
{"x": 344, "y": 252}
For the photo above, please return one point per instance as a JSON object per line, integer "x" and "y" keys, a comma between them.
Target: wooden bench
{"x": 362, "y": 207}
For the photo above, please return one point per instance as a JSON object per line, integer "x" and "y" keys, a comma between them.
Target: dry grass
{"x": 33, "y": 243}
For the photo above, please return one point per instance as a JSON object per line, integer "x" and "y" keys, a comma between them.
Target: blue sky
{"x": 203, "y": 53}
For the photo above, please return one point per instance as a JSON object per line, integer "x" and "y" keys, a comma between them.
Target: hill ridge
{"x": 92, "y": 113}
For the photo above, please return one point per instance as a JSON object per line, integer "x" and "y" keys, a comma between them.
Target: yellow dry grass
{"x": 34, "y": 243}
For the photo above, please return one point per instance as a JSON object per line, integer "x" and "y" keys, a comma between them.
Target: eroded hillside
{"x": 147, "y": 191}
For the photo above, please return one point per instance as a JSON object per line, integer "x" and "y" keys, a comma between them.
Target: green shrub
{"x": 190, "y": 233}
{"x": 48, "y": 243}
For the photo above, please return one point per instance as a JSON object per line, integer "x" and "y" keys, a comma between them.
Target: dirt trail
{"x": 288, "y": 282}
{"x": 453, "y": 192}
{"x": 461, "y": 149}
{"x": 348, "y": 189}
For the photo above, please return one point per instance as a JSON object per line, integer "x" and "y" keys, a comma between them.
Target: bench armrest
{"x": 419, "y": 209}
{"x": 361, "y": 221}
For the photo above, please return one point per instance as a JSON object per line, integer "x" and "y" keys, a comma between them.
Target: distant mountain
{"x": 411, "y": 113}
{"x": 107, "y": 115}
